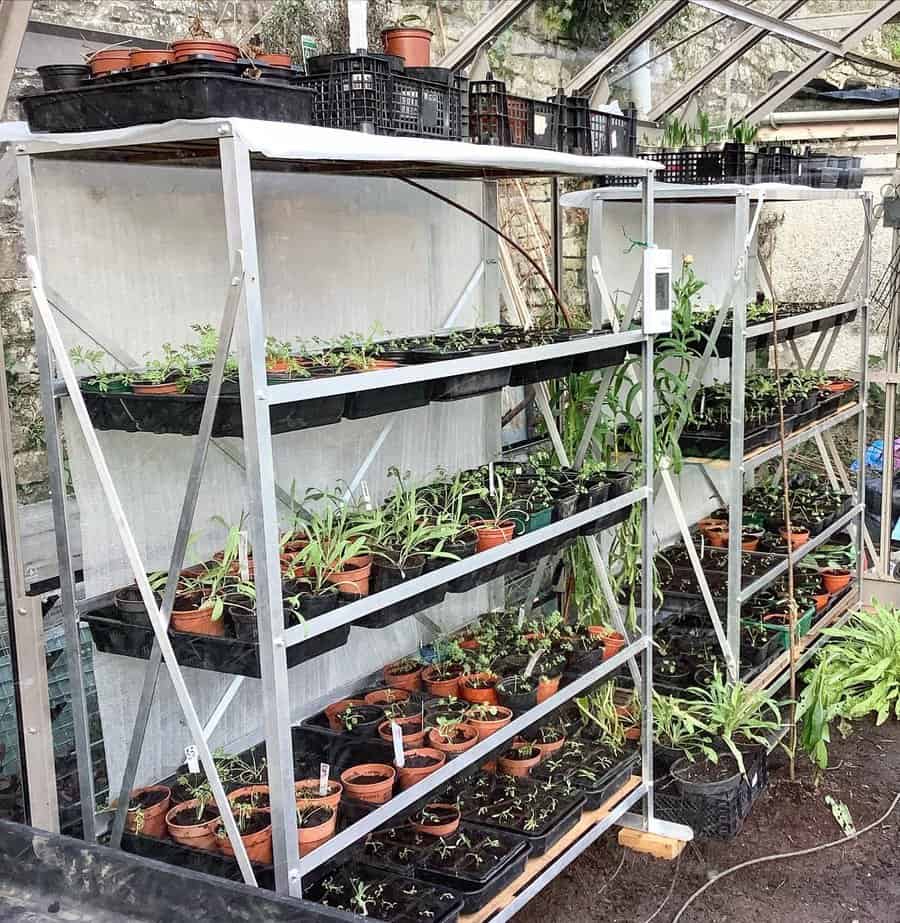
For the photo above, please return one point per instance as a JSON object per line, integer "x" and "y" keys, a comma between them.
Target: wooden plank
{"x": 660, "y": 847}
{"x": 535, "y": 866}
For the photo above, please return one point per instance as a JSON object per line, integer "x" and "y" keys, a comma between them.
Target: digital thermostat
{"x": 657, "y": 313}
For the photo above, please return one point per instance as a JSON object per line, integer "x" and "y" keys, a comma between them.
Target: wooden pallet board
{"x": 534, "y": 867}
{"x": 660, "y": 847}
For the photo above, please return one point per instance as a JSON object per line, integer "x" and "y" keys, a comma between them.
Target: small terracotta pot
{"x": 143, "y": 57}
{"x": 435, "y": 740}
{"x": 550, "y": 748}
{"x": 412, "y": 682}
{"x": 413, "y": 45}
{"x": 834, "y": 579}
{"x": 354, "y": 578}
{"x": 371, "y": 792}
{"x": 520, "y": 768}
{"x": 409, "y": 776}
{"x": 836, "y": 387}
{"x": 633, "y": 733}
{"x": 275, "y": 60}
{"x": 470, "y": 644}
{"x": 165, "y": 387}
{"x": 332, "y": 711}
{"x": 821, "y": 601}
{"x": 717, "y": 536}
{"x": 488, "y": 726}
{"x": 613, "y": 642}
{"x": 440, "y": 688}
{"x": 704, "y": 525}
{"x": 749, "y": 544}
{"x": 310, "y": 838}
{"x": 197, "y": 622}
{"x": 439, "y": 830}
{"x": 387, "y": 696}
{"x": 248, "y": 791}
{"x": 258, "y": 844}
{"x": 489, "y": 536}
{"x": 210, "y": 48}
{"x": 331, "y": 800}
{"x": 112, "y": 59}
{"x": 487, "y": 695}
{"x": 547, "y": 687}
{"x": 410, "y": 740}
{"x": 195, "y": 835}
{"x": 797, "y": 538}
{"x": 152, "y": 819}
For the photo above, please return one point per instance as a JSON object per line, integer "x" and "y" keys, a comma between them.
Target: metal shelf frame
{"x": 746, "y": 203}
{"x": 243, "y": 319}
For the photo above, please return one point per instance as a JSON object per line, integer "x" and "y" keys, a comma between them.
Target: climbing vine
{"x": 592, "y": 22}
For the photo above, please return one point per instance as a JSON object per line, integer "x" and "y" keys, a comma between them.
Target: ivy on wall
{"x": 590, "y": 22}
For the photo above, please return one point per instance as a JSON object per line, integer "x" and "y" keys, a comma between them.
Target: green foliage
{"x": 591, "y": 22}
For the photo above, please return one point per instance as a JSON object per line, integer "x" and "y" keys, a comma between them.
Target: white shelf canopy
{"x": 682, "y": 192}
{"x": 310, "y": 144}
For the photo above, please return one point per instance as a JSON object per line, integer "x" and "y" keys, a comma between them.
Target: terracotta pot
{"x": 387, "y": 696}
{"x": 821, "y": 601}
{"x": 307, "y": 792}
{"x": 248, "y": 791}
{"x": 439, "y": 830}
{"x": 547, "y": 687}
{"x": 440, "y": 688}
{"x": 332, "y": 711}
{"x": 370, "y": 792}
{"x": 197, "y": 622}
{"x": 470, "y": 644}
{"x": 195, "y": 835}
{"x": 413, "y": 45}
{"x": 520, "y": 768}
{"x": 258, "y": 844}
{"x": 799, "y": 536}
{"x": 837, "y": 387}
{"x": 411, "y": 739}
{"x": 704, "y": 525}
{"x": 488, "y": 726}
{"x": 275, "y": 60}
{"x": 412, "y": 682}
{"x": 613, "y": 642}
{"x": 633, "y": 733}
{"x": 143, "y": 57}
{"x": 834, "y": 579}
{"x": 550, "y": 748}
{"x": 487, "y": 695}
{"x": 152, "y": 820}
{"x": 353, "y": 579}
{"x": 409, "y": 776}
{"x": 489, "y": 536}
{"x": 113, "y": 59}
{"x": 717, "y": 536}
{"x": 749, "y": 544}
{"x": 165, "y": 387}
{"x": 435, "y": 740}
{"x": 209, "y": 48}
{"x": 310, "y": 838}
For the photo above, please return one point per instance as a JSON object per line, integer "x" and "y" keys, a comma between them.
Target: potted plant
{"x": 255, "y": 828}
{"x": 307, "y": 793}
{"x": 835, "y": 577}
{"x": 452, "y": 736}
{"x": 518, "y": 693}
{"x": 361, "y": 720}
{"x": 316, "y": 824}
{"x": 193, "y": 823}
{"x": 497, "y": 525}
{"x": 519, "y": 759}
{"x": 101, "y": 379}
{"x": 387, "y": 697}
{"x": 678, "y": 731}
{"x": 550, "y": 739}
{"x": 369, "y": 782}
{"x": 799, "y": 535}
{"x": 441, "y": 678}
{"x": 488, "y": 719}
{"x": 147, "y": 809}
{"x": 419, "y": 763}
{"x": 162, "y": 376}
{"x": 200, "y": 42}
{"x": 333, "y": 712}
{"x": 109, "y": 60}
{"x": 479, "y": 687}
{"x": 437, "y": 819}
{"x": 404, "y": 674}
{"x": 411, "y": 730}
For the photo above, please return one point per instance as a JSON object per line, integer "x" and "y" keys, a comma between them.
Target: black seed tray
{"x": 602, "y": 359}
{"x": 711, "y": 444}
{"x": 596, "y": 791}
{"x": 412, "y": 900}
{"x": 725, "y": 343}
{"x": 181, "y": 413}
{"x": 364, "y": 404}
{"x": 203, "y": 652}
{"x": 118, "y": 104}
{"x": 458, "y": 387}
{"x": 532, "y": 372}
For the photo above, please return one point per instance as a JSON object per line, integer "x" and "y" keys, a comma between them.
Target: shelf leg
{"x": 50, "y": 407}
{"x": 240, "y": 222}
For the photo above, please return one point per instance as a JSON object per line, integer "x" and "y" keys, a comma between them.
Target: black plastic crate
{"x": 360, "y": 93}
{"x": 613, "y": 135}
{"x": 777, "y": 163}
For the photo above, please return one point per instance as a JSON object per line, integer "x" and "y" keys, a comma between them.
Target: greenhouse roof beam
{"x": 486, "y": 29}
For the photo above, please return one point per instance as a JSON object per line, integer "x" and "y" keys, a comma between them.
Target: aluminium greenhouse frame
{"x": 236, "y": 148}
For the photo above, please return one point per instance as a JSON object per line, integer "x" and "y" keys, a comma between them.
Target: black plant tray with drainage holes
{"x": 602, "y": 359}
{"x": 203, "y": 652}
{"x": 180, "y": 414}
{"x": 725, "y": 341}
{"x": 717, "y": 443}
{"x": 97, "y": 105}
{"x": 364, "y": 404}
{"x": 568, "y": 770}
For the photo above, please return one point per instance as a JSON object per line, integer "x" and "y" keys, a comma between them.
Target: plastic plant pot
{"x": 149, "y": 818}
{"x": 364, "y": 720}
{"x": 208, "y": 48}
{"x": 514, "y": 764}
{"x": 441, "y": 687}
{"x": 275, "y": 59}
{"x": 548, "y": 686}
{"x": 186, "y": 828}
{"x": 369, "y": 782}
{"x": 834, "y": 579}
{"x": 518, "y": 693}
{"x": 316, "y": 824}
{"x": 332, "y": 711}
{"x": 419, "y": 763}
{"x": 479, "y": 688}
{"x": 109, "y": 61}
{"x": 489, "y": 723}
{"x": 404, "y": 676}
{"x": 197, "y": 621}
{"x": 255, "y": 795}
{"x": 799, "y": 536}
{"x": 442, "y": 822}
{"x": 413, "y": 45}
{"x": 548, "y": 748}
{"x": 154, "y": 389}
{"x": 353, "y": 578}
{"x": 464, "y": 737}
{"x": 717, "y": 536}
{"x": 258, "y": 843}
{"x": 307, "y": 794}
{"x": 387, "y": 697}
{"x": 148, "y": 57}
{"x": 411, "y": 730}
{"x": 490, "y": 535}
{"x": 63, "y": 76}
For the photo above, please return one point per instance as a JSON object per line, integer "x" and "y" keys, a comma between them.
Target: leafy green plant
{"x": 677, "y": 723}
{"x": 95, "y": 360}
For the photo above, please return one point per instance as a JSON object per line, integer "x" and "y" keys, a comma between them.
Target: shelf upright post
{"x": 240, "y": 221}
{"x": 648, "y": 414}
{"x": 50, "y": 408}
{"x": 738, "y": 384}
{"x": 867, "y": 204}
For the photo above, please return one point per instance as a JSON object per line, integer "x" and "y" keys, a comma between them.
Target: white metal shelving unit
{"x": 238, "y": 148}
{"x": 746, "y": 203}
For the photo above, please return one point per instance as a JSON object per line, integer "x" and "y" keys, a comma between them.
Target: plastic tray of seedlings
{"x": 474, "y": 862}
{"x": 113, "y": 635}
{"x": 540, "y": 811}
{"x": 381, "y": 895}
{"x": 591, "y": 768}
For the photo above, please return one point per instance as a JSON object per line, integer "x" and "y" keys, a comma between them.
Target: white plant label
{"x": 532, "y": 662}
{"x": 367, "y": 497}
{"x": 324, "y": 770}
{"x": 521, "y": 616}
{"x": 190, "y": 757}
{"x": 397, "y": 737}
{"x": 491, "y": 477}
{"x": 244, "y": 555}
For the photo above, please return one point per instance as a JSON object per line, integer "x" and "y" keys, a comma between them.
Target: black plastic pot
{"x": 370, "y": 717}
{"x": 385, "y": 576}
{"x": 131, "y": 608}
{"x": 513, "y": 696}
{"x": 63, "y": 76}
{"x": 565, "y": 501}
{"x": 581, "y": 662}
